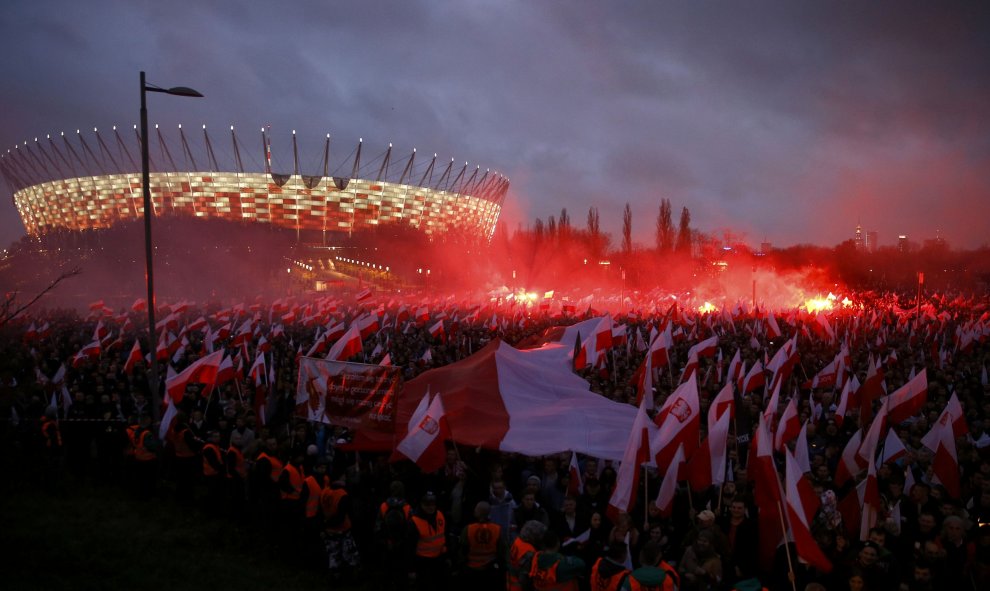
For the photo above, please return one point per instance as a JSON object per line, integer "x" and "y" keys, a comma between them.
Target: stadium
{"x": 83, "y": 183}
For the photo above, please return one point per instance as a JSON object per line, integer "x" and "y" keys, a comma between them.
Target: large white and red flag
{"x": 735, "y": 369}
{"x": 424, "y": 440}
{"x": 952, "y": 412}
{"x": 801, "y": 502}
{"x": 723, "y": 403}
{"x": 347, "y": 346}
{"x": 202, "y": 371}
{"x": 575, "y": 484}
{"x": 705, "y": 348}
{"x": 636, "y": 454}
{"x": 872, "y": 389}
{"x": 753, "y": 379}
{"x": 660, "y": 348}
{"x": 789, "y": 425}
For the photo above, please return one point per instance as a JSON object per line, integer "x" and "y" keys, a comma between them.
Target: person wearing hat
{"x": 428, "y": 544}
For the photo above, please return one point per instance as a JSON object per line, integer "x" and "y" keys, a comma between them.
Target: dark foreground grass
{"x": 103, "y": 538}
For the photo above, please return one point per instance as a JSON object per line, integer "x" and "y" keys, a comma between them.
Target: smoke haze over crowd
{"x": 785, "y": 122}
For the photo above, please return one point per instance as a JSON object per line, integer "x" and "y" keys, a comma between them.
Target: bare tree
{"x": 9, "y": 310}
{"x": 627, "y": 229}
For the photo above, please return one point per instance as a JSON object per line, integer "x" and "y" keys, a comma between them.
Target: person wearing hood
{"x": 502, "y": 506}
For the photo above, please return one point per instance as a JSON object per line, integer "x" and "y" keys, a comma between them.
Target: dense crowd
{"x": 490, "y": 520}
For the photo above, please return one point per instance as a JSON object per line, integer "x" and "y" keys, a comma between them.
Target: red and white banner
{"x": 353, "y": 395}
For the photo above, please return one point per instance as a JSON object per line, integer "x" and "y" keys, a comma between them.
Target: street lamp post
{"x": 146, "y": 187}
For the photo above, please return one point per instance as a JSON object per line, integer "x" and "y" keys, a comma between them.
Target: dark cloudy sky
{"x": 785, "y": 120}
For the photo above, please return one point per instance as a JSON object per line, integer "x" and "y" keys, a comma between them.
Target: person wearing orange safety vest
{"x": 483, "y": 552}
{"x": 342, "y": 552}
{"x": 235, "y": 470}
{"x": 391, "y": 537}
{"x": 263, "y": 488}
{"x": 651, "y": 575}
{"x": 214, "y": 471}
{"x": 428, "y": 544}
{"x": 609, "y": 572}
{"x": 313, "y": 486}
{"x": 186, "y": 446}
{"x": 144, "y": 447}
{"x": 552, "y": 571}
{"x": 521, "y": 554}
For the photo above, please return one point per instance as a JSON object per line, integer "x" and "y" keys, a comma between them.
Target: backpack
{"x": 393, "y": 524}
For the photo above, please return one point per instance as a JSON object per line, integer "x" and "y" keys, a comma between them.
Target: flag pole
{"x": 787, "y": 548}
{"x": 646, "y": 498}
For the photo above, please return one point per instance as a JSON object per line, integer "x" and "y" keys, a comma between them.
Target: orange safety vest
{"x": 131, "y": 432}
{"x": 208, "y": 469}
{"x": 600, "y": 583}
{"x": 313, "y": 496}
{"x": 545, "y": 579}
{"x": 46, "y": 426}
{"x": 239, "y": 468}
{"x": 141, "y": 451}
{"x": 517, "y": 555}
{"x": 405, "y": 509}
{"x": 182, "y": 449}
{"x": 330, "y": 502}
{"x": 431, "y": 543}
{"x": 296, "y": 480}
{"x": 275, "y": 464}
{"x": 671, "y": 575}
{"x": 666, "y": 585}
{"x": 482, "y": 541}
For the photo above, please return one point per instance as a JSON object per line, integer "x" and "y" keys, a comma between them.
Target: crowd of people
{"x": 491, "y": 520}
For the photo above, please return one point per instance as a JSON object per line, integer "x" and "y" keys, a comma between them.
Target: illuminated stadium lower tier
{"x": 61, "y": 184}
{"x": 100, "y": 201}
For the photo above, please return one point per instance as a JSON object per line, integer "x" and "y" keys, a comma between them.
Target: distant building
{"x": 858, "y": 238}
{"x": 765, "y": 247}
{"x": 902, "y": 243}
{"x": 871, "y": 241}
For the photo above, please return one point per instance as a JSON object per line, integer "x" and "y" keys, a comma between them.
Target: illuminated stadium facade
{"x": 60, "y": 184}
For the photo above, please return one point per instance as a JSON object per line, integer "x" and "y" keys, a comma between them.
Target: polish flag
{"x": 844, "y": 401}
{"x": 735, "y": 369}
{"x": 644, "y": 383}
{"x": 636, "y": 454}
{"x": 678, "y": 422}
{"x": 226, "y": 371}
{"x": 801, "y": 502}
{"x": 335, "y": 332}
{"x": 691, "y": 367}
{"x": 364, "y": 294}
{"x": 871, "y": 440}
{"x": 139, "y": 305}
{"x": 770, "y": 412}
{"x": 724, "y": 402}
{"x": 789, "y": 426}
{"x": 198, "y": 324}
{"x": 773, "y": 329}
{"x": 168, "y": 417}
{"x": 367, "y": 325}
{"x": 347, "y": 346}
{"x": 602, "y": 335}
{"x": 660, "y": 348}
{"x": 427, "y": 431}
{"x": 908, "y": 400}
{"x": 707, "y": 465}
{"x": 893, "y": 448}
{"x": 422, "y": 314}
{"x": 953, "y": 412}
{"x": 133, "y": 357}
{"x": 202, "y": 371}
{"x": 850, "y": 463}
{"x": 801, "y": 449}
{"x": 945, "y": 464}
{"x": 668, "y": 486}
{"x": 754, "y": 379}
{"x": 766, "y": 493}
{"x": 386, "y": 360}
{"x": 575, "y": 485}
{"x": 705, "y": 348}
{"x": 872, "y": 389}
{"x": 436, "y": 331}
